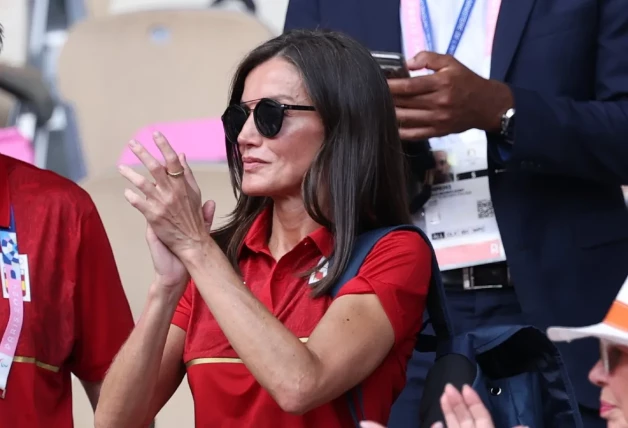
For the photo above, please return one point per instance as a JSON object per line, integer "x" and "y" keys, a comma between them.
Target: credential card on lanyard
{"x": 459, "y": 217}
{"x": 13, "y": 276}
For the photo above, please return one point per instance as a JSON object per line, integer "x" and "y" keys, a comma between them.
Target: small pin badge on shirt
{"x": 320, "y": 273}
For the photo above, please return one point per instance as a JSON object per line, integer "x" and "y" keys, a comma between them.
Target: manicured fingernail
{"x": 438, "y": 425}
{"x": 133, "y": 143}
{"x": 156, "y": 134}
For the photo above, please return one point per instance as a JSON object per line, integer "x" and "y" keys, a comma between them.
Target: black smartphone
{"x": 393, "y": 64}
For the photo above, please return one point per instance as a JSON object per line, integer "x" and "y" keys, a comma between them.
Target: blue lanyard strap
{"x": 8, "y": 241}
{"x": 461, "y": 25}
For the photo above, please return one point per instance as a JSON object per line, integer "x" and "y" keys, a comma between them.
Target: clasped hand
{"x": 178, "y": 222}
{"x": 451, "y": 100}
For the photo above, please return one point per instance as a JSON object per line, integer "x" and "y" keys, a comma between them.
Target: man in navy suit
{"x": 559, "y": 69}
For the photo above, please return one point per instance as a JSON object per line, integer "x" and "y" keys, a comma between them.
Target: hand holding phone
{"x": 449, "y": 100}
{"x": 393, "y": 64}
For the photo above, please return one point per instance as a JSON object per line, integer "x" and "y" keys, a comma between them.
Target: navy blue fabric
{"x": 470, "y": 311}
{"x": 364, "y": 243}
{"x": 439, "y": 318}
{"x": 520, "y": 376}
{"x": 559, "y": 206}
{"x": 519, "y": 362}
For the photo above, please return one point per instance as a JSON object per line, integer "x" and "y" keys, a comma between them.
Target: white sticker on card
{"x": 25, "y": 278}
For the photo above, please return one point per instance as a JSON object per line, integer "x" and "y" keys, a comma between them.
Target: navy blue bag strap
{"x": 436, "y": 302}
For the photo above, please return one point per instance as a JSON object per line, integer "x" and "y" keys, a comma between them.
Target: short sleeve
{"x": 182, "y": 314}
{"x": 398, "y": 270}
{"x": 103, "y": 315}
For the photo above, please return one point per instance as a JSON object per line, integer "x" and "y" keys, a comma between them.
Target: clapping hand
{"x": 177, "y": 220}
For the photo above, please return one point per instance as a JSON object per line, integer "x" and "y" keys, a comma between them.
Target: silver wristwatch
{"x": 508, "y": 126}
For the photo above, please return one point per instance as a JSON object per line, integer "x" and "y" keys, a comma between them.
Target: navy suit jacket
{"x": 559, "y": 206}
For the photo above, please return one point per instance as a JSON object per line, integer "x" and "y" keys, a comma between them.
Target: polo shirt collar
{"x": 5, "y": 197}
{"x": 256, "y": 239}
{"x": 324, "y": 240}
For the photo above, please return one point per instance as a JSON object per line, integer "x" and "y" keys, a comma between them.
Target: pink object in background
{"x": 201, "y": 141}
{"x": 15, "y": 145}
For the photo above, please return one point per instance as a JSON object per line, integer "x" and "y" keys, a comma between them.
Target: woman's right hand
{"x": 171, "y": 276}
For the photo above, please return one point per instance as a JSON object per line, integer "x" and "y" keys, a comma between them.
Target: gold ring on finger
{"x": 175, "y": 174}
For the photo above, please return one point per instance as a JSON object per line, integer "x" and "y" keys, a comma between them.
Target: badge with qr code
{"x": 24, "y": 278}
{"x": 460, "y": 222}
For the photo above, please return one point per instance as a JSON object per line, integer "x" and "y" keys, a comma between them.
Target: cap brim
{"x": 600, "y": 331}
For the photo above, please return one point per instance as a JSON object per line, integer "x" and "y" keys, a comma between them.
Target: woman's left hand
{"x": 172, "y": 204}
{"x": 464, "y": 409}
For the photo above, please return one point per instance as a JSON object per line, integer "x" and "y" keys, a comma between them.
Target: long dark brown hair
{"x": 359, "y": 171}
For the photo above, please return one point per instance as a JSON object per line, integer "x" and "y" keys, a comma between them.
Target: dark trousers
{"x": 470, "y": 310}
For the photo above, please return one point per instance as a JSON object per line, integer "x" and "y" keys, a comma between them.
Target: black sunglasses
{"x": 268, "y": 116}
{"x": 610, "y": 355}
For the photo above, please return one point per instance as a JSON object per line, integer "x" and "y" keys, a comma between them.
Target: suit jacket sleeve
{"x": 302, "y": 14}
{"x": 587, "y": 139}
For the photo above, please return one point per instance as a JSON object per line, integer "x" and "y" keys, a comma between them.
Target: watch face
{"x": 508, "y": 123}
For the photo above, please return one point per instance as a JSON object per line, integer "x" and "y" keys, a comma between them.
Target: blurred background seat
{"x": 7, "y": 103}
{"x": 24, "y": 134}
{"x": 14, "y": 19}
{"x": 124, "y": 72}
{"x": 270, "y": 12}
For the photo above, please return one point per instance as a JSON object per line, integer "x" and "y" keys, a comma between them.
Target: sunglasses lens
{"x": 268, "y": 118}
{"x": 233, "y": 121}
{"x": 610, "y": 356}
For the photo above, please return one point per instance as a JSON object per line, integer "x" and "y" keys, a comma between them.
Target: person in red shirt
{"x": 316, "y": 159}
{"x": 75, "y": 315}
{"x": 63, "y": 310}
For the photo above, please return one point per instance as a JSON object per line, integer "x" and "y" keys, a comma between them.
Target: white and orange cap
{"x": 613, "y": 329}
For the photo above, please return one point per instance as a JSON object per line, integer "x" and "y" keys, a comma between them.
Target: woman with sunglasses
{"x": 315, "y": 158}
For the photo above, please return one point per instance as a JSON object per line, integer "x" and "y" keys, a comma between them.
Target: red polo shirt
{"x": 78, "y": 316}
{"x": 226, "y": 394}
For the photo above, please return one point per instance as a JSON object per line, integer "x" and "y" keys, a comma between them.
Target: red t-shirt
{"x": 226, "y": 394}
{"x": 78, "y": 316}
